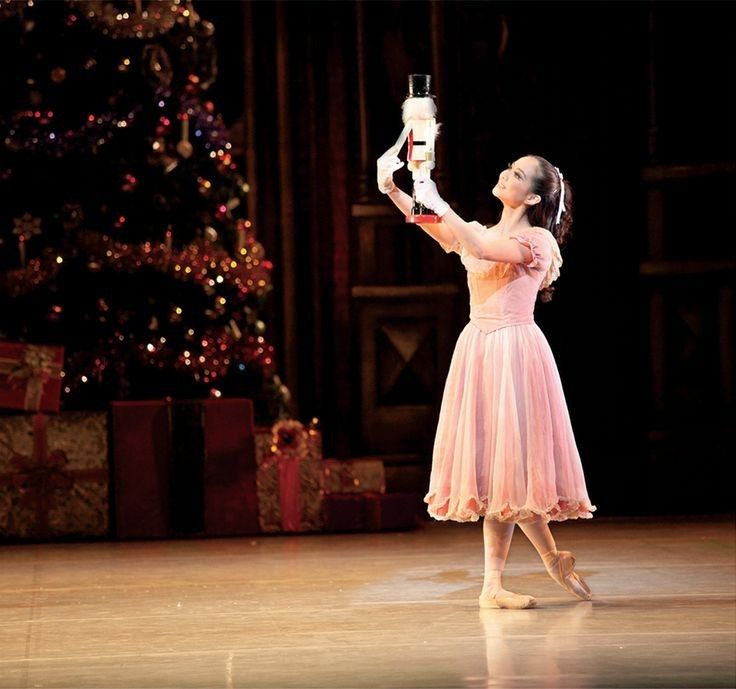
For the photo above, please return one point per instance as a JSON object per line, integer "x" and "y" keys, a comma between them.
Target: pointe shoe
{"x": 561, "y": 569}
{"x": 515, "y": 601}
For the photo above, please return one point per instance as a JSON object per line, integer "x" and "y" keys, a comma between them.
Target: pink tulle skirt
{"x": 504, "y": 445}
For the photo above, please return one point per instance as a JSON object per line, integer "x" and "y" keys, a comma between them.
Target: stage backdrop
{"x": 631, "y": 101}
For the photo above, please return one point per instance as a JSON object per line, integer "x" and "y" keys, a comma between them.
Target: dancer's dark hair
{"x": 544, "y": 214}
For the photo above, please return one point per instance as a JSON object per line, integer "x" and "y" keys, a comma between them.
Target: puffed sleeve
{"x": 456, "y": 246}
{"x": 546, "y": 257}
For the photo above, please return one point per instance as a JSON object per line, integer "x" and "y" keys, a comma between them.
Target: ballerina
{"x": 504, "y": 447}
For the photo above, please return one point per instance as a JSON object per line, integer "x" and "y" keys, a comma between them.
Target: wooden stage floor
{"x": 373, "y": 610}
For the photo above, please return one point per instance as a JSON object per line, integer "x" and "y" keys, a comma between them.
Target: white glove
{"x": 425, "y": 191}
{"x": 386, "y": 165}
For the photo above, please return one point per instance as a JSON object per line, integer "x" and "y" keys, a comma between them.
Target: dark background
{"x": 633, "y": 101}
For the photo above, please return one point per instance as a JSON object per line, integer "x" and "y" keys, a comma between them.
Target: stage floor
{"x": 373, "y": 610}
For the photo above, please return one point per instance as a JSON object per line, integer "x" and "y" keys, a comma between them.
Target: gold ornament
{"x": 25, "y": 228}
{"x": 58, "y": 75}
{"x": 184, "y": 148}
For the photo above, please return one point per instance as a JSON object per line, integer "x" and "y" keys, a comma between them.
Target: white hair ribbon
{"x": 562, "y": 196}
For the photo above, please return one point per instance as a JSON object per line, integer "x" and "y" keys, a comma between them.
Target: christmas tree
{"x": 125, "y": 235}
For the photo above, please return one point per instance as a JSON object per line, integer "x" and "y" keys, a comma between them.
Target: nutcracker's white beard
{"x": 418, "y": 109}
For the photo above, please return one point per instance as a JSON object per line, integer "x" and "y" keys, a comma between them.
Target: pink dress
{"x": 504, "y": 445}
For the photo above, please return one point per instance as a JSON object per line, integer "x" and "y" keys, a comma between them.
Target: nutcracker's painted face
{"x": 515, "y": 184}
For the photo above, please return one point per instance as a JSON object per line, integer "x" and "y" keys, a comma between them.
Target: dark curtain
{"x": 602, "y": 91}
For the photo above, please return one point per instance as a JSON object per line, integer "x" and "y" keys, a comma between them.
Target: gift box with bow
{"x": 54, "y": 475}
{"x": 290, "y": 477}
{"x": 30, "y": 376}
{"x": 354, "y": 476}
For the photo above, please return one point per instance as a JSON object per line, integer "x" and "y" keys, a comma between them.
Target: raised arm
{"x": 438, "y": 231}
{"x": 387, "y": 164}
{"x": 476, "y": 244}
{"x": 481, "y": 246}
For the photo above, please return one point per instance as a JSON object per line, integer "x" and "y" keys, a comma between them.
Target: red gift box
{"x": 184, "y": 467}
{"x": 383, "y": 511}
{"x": 370, "y": 511}
{"x": 30, "y": 376}
{"x": 344, "y": 512}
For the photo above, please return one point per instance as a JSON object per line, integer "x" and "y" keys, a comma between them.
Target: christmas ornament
{"x": 25, "y": 228}
{"x": 184, "y": 148}
{"x": 72, "y": 215}
{"x": 58, "y": 75}
{"x": 156, "y": 65}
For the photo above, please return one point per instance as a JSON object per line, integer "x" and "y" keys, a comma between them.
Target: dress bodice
{"x": 503, "y": 294}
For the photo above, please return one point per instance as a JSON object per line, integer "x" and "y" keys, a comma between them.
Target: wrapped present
{"x": 141, "y": 459}
{"x": 344, "y": 512}
{"x": 370, "y": 511}
{"x": 384, "y": 511}
{"x": 184, "y": 467}
{"x": 263, "y": 442}
{"x": 290, "y": 477}
{"x": 54, "y": 475}
{"x": 30, "y": 376}
{"x": 354, "y": 476}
